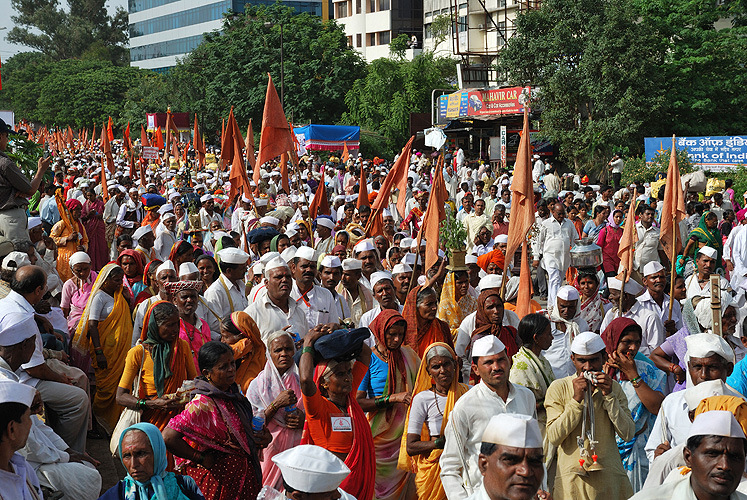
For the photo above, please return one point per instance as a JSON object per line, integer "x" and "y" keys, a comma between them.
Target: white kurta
{"x": 270, "y": 318}
{"x": 647, "y": 302}
{"x": 679, "y": 490}
{"x": 226, "y": 303}
{"x": 650, "y": 323}
{"x": 18, "y": 485}
{"x": 559, "y": 353}
{"x": 318, "y": 304}
{"x": 463, "y": 342}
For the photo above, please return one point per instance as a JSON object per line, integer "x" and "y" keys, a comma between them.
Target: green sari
{"x": 710, "y": 237}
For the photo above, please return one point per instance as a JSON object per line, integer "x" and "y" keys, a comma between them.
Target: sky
{"x": 7, "y": 49}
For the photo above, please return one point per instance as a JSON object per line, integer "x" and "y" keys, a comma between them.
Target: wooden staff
{"x": 715, "y": 281}
{"x": 673, "y": 263}
{"x": 622, "y": 292}
{"x": 294, "y": 162}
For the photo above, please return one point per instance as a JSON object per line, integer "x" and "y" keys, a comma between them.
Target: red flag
{"x": 345, "y": 156}
{"x": 434, "y": 214}
{"x": 320, "y": 203}
{"x": 396, "y": 174}
{"x": 227, "y": 140}
{"x": 362, "y": 190}
{"x": 627, "y": 244}
{"x": 126, "y": 138}
{"x": 275, "y": 137}
{"x": 674, "y": 208}
{"x": 522, "y": 215}
{"x": 109, "y": 130}
{"x": 159, "y": 138}
{"x": 144, "y": 142}
{"x": 199, "y": 145}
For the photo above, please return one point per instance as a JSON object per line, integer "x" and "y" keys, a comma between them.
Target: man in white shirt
{"x": 537, "y": 169}
{"x": 655, "y": 300}
{"x": 386, "y": 298}
{"x": 552, "y": 248}
{"x": 317, "y": 302}
{"x": 167, "y": 237}
{"x": 276, "y": 310}
{"x": 324, "y": 228}
{"x": 207, "y": 212}
{"x": 648, "y": 247}
{"x": 358, "y": 298}
{"x": 705, "y": 264}
{"x": 650, "y": 322}
{"x": 227, "y": 294}
{"x": 241, "y": 215}
{"x": 460, "y": 473}
{"x": 111, "y": 211}
{"x": 330, "y": 275}
{"x": 366, "y": 252}
{"x": 467, "y": 206}
{"x": 475, "y": 221}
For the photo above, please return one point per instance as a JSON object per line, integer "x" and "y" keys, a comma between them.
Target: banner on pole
{"x": 150, "y": 153}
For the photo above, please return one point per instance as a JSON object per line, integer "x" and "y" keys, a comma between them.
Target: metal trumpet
{"x": 588, "y": 461}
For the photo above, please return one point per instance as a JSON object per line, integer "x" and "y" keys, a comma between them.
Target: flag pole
{"x": 622, "y": 292}
{"x": 673, "y": 276}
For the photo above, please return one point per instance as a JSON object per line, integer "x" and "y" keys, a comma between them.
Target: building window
{"x": 358, "y": 8}
{"x": 427, "y": 31}
{"x": 372, "y": 6}
{"x": 371, "y": 39}
{"x": 384, "y": 37}
{"x": 350, "y": 40}
{"x": 501, "y": 4}
{"x": 358, "y": 40}
{"x": 342, "y": 10}
{"x": 383, "y": 4}
{"x": 463, "y": 24}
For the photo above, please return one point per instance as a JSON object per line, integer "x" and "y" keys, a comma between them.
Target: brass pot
{"x": 456, "y": 260}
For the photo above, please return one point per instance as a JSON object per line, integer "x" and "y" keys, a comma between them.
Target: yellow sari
{"x": 426, "y": 468}
{"x": 449, "y": 310}
{"x": 115, "y": 334}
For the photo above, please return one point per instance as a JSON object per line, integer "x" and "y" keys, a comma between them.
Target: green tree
{"x": 598, "y": 69}
{"x": 398, "y": 47}
{"x": 230, "y": 68}
{"x": 440, "y": 29}
{"x": 383, "y": 100}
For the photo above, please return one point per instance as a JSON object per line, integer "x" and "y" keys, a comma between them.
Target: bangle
{"x": 140, "y": 405}
{"x": 271, "y": 407}
{"x": 381, "y": 401}
{"x": 308, "y": 348}
{"x": 672, "y": 367}
{"x": 636, "y": 381}
{"x": 98, "y": 350}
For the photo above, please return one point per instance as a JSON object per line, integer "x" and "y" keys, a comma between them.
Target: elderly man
{"x": 165, "y": 273}
{"x": 330, "y": 275}
{"x": 111, "y": 210}
{"x": 566, "y": 323}
{"x": 715, "y": 453}
{"x": 653, "y": 329}
{"x": 144, "y": 239}
{"x": 242, "y": 215}
{"x": 227, "y": 294}
{"x": 207, "y": 212}
{"x": 310, "y": 471}
{"x": 475, "y": 221}
{"x": 655, "y": 300}
{"x": 388, "y": 225}
{"x": 567, "y": 416}
{"x": 648, "y": 247}
{"x": 698, "y": 282}
{"x": 317, "y": 302}
{"x": 552, "y": 248}
{"x": 511, "y": 459}
{"x": 709, "y": 357}
{"x": 166, "y": 237}
{"x": 460, "y": 470}
{"x": 276, "y": 310}
{"x": 358, "y": 297}
{"x": 324, "y": 228}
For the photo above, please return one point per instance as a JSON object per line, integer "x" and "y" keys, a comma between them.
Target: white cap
{"x": 258, "y": 268}
{"x": 275, "y": 263}
{"x": 245, "y": 198}
{"x": 652, "y": 267}
{"x": 567, "y": 292}
{"x": 490, "y": 281}
{"x": 288, "y": 254}
{"x": 168, "y": 207}
{"x": 470, "y": 259}
{"x": 311, "y": 469}
{"x": 307, "y": 253}
{"x": 514, "y": 430}
{"x": 386, "y": 213}
{"x": 15, "y": 260}
{"x": 379, "y": 276}
{"x": 269, "y": 219}
{"x": 34, "y": 222}
{"x": 351, "y": 264}
{"x": 142, "y": 231}
{"x": 323, "y": 221}
{"x": 501, "y": 238}
{"x": 331, "y": 261}
{"x": 166, "y": 266}
{"x": 15, "y": 327}
{"x": 290, "y": 232}
{"x": 217, "y": 235}
{"x": 631, "y": 286}
{"x": 706, "y": 389}
{"x": 414, "y": 243}
{"x": 187, "y": 268}
{"x": 233, "y": 256}
{"x": 489, "y": 345}
{"x": 405, "y": 242}
{"x": 268, "y": 257}
{"x": 364, "y": 246}
{"x": 174, "y": 195}
{"x": 587, "y": 343}
{"x": 79, "y": 258}
{"x": 716, "y": 423}
{"x": 13, "y": 392}
{"x": 206, "y": 197}
{"x": 401, "y": 268}
{"x": 260, "y": 202}
{"x": 168, "y": 216}
{"x": 705, "y": 345}
{"x": 709, "y": 252}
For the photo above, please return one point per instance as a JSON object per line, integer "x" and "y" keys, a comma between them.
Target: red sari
{"x": 422, "y": 333}
{"x": 96, "y": 231}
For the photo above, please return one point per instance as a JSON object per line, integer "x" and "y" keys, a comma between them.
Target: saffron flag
{"x": 226, "y": 143}
{"x": 199, "y": 145}
{"x": 627, "y": 244}
{"x": 159, "y": 138}
{"x": 674, "y": 208}
{"x": 144, "y": 142}
{"x": 522, "y": 199}
{"x": 249, "y": 146}
{"x": 434, "y": 214}
{"x": 126, "y": 138}
{"x": 106, "y": 149}
{"x": 345, "y": 156}
{"x": 275, "y": 138}
{"x": 110, "y": 130}
{"x": 320, "y": 203}
{"x": 362, "y": 190}
{"x": 396, "y": 174}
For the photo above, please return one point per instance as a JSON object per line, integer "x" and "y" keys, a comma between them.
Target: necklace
{"x": 385, "y": 357}
{"x": 435, "y": 398}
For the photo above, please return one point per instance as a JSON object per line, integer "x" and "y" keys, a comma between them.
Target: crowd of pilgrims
{"x": 241, "y": 329}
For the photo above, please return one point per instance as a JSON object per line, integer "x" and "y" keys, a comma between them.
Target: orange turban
{"x": 495, "y": 257}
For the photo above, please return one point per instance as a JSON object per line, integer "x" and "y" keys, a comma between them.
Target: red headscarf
{"x": 138, "y": 261}
{"x": 379, "y": 326}
{"x": 418, "y": 328}
{"x": 483, "y": 327}
{"x": 611, "y": 336}
{"x": 72, "y": 204}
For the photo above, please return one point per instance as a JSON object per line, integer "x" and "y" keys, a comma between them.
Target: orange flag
{"x": 184, "y": 154}
{"x": 70, "y": 137}
{"x": 237, "y": 177}
{"x": 674, "y": 208}
{"x": 106, "y": 151}
{"x": 93, "y": 134}
{"x": 398, "y": 171}
{"x": 104, "y": 187}
{"x": 434, "y": 214}
{"x": 401, "y": 182}
{"x": 522, "y": 199}
{"x": 199, "y": 145}
{"x": 144, "y": 142}
{"x": 159, "y": 138}
{"x": 345, "y": 156}
{"x": 524, "y": 297}
{"x": 320, "y": 203}
{"x": 627, "y": 244}
{"x": 227, "y": 141}
{"x": 362, "y": 190}
{"x": 109, "y": 130}
{"x": 275, "y": 137}
{"x": 126, "y": 138}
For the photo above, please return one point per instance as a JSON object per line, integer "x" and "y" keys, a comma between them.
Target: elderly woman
{"x": 104, "y": 334}
{"x": 77, "y": 290}
{"x": 70, "y": 236}
{"x": 162, "y": 362}
{"x": 456, "y": 302}
{"x": 329, "y": 390}
{"x": 436, "y": 390}
{"x": 193, "y": 330}
{"x": 241, "y": 333}
{"x": 93, "y": 209}
{"x": 643, "y": 386}
{"x": 275, "y": 393}
{"x": 423, "y": 327}
{"x": 592, "y": 306}
{"x": 213, "y": 438}
{"x": 142, "y": 452}
{"x": 385, "y": 393}
{"x": 133, "y": 264}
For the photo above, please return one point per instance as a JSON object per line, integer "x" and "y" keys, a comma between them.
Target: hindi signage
{"x": 709, "y": 153}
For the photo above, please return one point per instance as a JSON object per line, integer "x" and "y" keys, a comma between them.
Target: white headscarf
{"x": 571, "y": 327}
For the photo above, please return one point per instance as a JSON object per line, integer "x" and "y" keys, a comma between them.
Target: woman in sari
{"x": 385, "y": 394}
{"x": 489, "y": 321}
{"x": 643, "y": 386}
{"x": 93, "y": 208}
{"x": 132, "y": 263}
{"x": 104, "y": 333}
{"x": 149, "y": 280}
{"x": 70, "y": 237}
{"x": 166, "y": 363}
{"x": 456, "y": 302}
{"x": 304, "y": 231}
{"x": 423, "y": 327}
{"x": 706, "y": 234}
{"x": 213, "y": 439}
{"x": 208, "y": 270}
{"x": 181, "y": 252}
{"x": 193, "y": 330}
{"x": 275, "y": 393}
{"x": 241, "y": 333}
{"x": 279, "y": 243}
{"x": 593, "y": 305}
{"x": 329, "y": 389}
{"x": 77, "y": 290}
{"x": 609, "y": 241}
{"x": 437, "y": 382}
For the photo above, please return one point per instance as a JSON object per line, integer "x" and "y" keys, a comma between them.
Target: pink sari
{"x": 96, "y": 231}
{"x": 262, "y": 392}
{"x": 194, "y": 337}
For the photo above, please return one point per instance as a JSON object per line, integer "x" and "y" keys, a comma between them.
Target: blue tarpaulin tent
{"x": 328, "y": 137}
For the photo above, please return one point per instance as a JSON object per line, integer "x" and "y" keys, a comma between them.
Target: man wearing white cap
{"x": 401, "y": 276}
{"x": 330, "y": 275}
{"x": 650, "y": 322}
{"x": 565, "y": 404}
{"x": 709, "y": 357}
{"x": 260, "y": 206}
{"x": 310, "y": 471}
{"x": 324, "y": 228}
{"x": 383, "y": 291}
{"x": 520, "y": 476}
{"x": 366, "y": 252}
{"x": 317, "y": 302}
{"x": 56, "y": 464}
{"x": 166, "y": 237}
{"x": 275, "y": 309}
{"x": 715, "y": 453}
{"x": 388, "y": 225}
{"x": 655, "y": 299}
{"x": 566, "y": 323}
{"x": 207, "y": 211}
{"x": 145, "y": 240}
{"x": 165, "y": 273}
{"x": 227, "y": 294}
{"x": 475, "y": 221}
{"x": 111, "y": 210}
{"x": 130, "y": 214}
{"x": 552, "y": 248}
{"x": 242, "y": 215}
{"x": 648, "y": 247}
{"x": 359, "y": 298}
{"x": 538, "y": 168}
{"x": 698, "y": 282}
{"x": 460, "y": 472}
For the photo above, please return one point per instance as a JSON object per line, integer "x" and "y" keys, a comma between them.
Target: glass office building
{"x": 162, "y": 31}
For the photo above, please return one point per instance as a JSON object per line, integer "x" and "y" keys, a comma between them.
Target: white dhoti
{"x": 76, "y": 480}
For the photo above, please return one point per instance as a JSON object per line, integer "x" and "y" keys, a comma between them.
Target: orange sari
{"x": 250, "y": 352}
{"x": 422, "y": 333}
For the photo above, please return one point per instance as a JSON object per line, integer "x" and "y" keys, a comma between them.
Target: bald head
{"x": 31, "y": 282}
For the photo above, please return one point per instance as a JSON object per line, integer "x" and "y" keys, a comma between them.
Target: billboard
{"x": 481, "y": 103}
{"x": 709, "y": 153}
